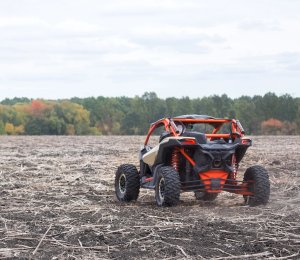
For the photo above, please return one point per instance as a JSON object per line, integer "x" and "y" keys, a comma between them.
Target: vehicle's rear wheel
{"x": 259, "y": 185}
{"x": 167, "y": 189}
{"x": 205, "y": 196}
{"x": 127, "y": 183}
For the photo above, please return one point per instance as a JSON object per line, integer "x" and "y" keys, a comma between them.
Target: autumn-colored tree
{"x": 70, "y": 129}
{"x": 272, "y": 126}
{"x": 268, "y": 114}
{"x": 37, "y": 107}
{"x": 74, "y": 114}
{"x": 19, "y": 130}
{"x": 9, "y": 129}
{"x": 290, "y": 128}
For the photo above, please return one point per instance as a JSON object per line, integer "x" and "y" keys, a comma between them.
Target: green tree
{"x": 124, "y": 115}
{"x": 73, "y": 114}
{"x": 287, "y": 108}
{"x": 2, "y": 128}
{"x": 244, "y": 108}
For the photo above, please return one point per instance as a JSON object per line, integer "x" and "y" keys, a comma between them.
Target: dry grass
{"x": 57, "y": 202}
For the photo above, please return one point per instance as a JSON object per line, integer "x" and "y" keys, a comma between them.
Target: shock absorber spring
{"x": 175, "y": 160}
{"x": 235, "y": 167}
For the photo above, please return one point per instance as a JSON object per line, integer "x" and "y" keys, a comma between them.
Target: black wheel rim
{"x": 200, "y": 194}
{"x": 161, "y": 189}
{"x": 122, "y": 183}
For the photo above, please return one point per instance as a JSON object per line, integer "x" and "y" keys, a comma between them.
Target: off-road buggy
{"x": 195, "y": 153}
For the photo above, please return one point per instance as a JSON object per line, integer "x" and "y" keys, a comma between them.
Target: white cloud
{"x": 13, "y": 21}
{"x": 68, "y": 48}
{"x": 259, "y": 25}
{"x": 73, "y": 26}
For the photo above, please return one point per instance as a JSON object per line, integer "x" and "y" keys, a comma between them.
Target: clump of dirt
{"x": 57, "y": 202}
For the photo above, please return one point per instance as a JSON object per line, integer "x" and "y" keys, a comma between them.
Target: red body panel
{"x": 206, "y": 178}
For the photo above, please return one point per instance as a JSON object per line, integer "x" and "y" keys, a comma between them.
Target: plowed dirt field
{"x": 57, "y": 202}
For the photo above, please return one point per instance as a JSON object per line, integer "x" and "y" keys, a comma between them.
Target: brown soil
{"x": 57, "y": 202}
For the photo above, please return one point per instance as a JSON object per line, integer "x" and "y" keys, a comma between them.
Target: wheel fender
{"x": 155, "y": 174}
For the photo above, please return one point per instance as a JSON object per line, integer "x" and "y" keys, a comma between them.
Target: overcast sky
{"x": 67, "y": 48}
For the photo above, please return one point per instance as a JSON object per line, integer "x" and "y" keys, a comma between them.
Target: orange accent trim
{"x": 246, "y": 141}
{"x": 175, "y": 159}
{"x": 217, "y": 135}
{"x": 241, "y": 192}
{"x": 166, "y": 122}
{"x": 149, "y": 133}
{"x": 173, "y": 128}
{"x": 192, "y": 162}
{"x": 188, "y": 141}
{"x": 148, "y": 179}
{"x": 216, "y": 129}
{"x": 186, "y": 120}
{"x": 243, "y": 189}
{"x": 213, "y": 174}
{"x": 233, "y": 126}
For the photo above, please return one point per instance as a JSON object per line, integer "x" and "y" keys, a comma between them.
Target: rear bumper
{"x": 216, "y": 182}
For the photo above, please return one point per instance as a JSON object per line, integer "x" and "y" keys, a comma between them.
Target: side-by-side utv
{"x": 195, "y": 153}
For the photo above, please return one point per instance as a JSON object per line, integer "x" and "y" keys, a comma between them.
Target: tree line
{"x": 268, "y": 114}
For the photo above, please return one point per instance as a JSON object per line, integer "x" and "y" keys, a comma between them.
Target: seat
{"x": 164, "y": 135}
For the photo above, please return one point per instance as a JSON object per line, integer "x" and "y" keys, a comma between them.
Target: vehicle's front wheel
{"x": 167, "y": 189}
{"x": 259, "y": 184}
{"x": 127, "y": 183}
